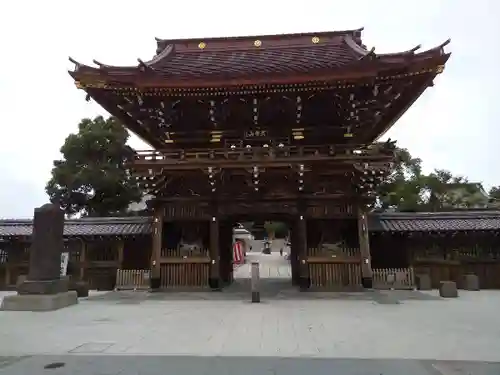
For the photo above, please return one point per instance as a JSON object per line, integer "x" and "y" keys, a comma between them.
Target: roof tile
{"x": 110, "y": 226}
{"x": 435, "y": 221}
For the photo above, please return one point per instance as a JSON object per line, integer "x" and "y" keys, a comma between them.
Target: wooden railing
{"x": 335, "y": 276}
{"x": 337, "y": 269}
{"x": 275, "y": 153}
{"x": 181, "y": 268}
{"x": 132, "y": 279}
{"x": 393, "y": 278}
{"x": 184, "y": 275}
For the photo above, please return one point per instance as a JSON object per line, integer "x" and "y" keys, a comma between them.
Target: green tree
{"x": 408, "y": 189}
{"x": 445, "y": 192}
{"x": 276, "y": 229}
{"x": 92, "y": 179}
{"x": 494, "y": 196}
{"x": 402, "y": 190}
{"x": 494, "y": 192}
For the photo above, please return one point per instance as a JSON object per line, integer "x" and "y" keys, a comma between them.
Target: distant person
{"x": 281, "y": 252}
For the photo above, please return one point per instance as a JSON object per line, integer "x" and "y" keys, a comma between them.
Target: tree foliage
{"x": 407, "y": 188}
{"x": 91, "y": 178}
{"x": 276, "y": 229}
{"x": 494, "y": 195}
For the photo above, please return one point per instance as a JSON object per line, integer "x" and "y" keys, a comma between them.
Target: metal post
{"x": 255, "y": 282}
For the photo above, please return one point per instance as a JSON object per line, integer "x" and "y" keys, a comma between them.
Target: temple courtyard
{"x": 374, "y": 332}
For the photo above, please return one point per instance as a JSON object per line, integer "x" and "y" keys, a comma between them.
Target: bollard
{"x": 471, "y": 282}
{"x": 255, "y": 282}
{"x": 448, "y": 289}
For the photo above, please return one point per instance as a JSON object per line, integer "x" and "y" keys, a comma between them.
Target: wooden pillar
{"x": 120, "y": 249}
{"x": 7, "y": 268}
{"x": 304, "y": 280}
{"x": 294, "y": 260}
{"x": 364, "y": 247}
{"x": 83, "y": 256}
{"x": 156, "y": 247}
{"x": 214, "y": 251}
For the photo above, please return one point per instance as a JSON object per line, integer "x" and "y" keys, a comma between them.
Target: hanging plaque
{"x": 256, "y": 134}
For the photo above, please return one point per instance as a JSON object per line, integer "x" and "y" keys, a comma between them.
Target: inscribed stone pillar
{"x": 364, "y": 247}
{"x": 44, "y": 290}
{"x": 47, "y": 243}
{"x": 214, "y": 278}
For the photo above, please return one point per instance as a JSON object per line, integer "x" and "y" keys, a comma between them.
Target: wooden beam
{"x": 179, "y": 165}
{"x": 120, "y": 250}
{"x": 83, "y": 256}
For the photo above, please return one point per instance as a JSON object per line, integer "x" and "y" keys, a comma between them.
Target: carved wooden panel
{"x": 258, "y": 208}
{"x": 330, "y": 210}
{"x": 186, "y": 211}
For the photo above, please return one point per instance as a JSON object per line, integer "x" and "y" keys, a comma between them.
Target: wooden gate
{"x": 393, "y": 278}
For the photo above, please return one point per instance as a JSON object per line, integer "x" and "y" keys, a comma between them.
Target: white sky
{"x": 452, "y": 126}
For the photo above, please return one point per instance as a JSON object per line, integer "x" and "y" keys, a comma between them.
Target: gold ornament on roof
{"x": 315, "y": 39}
{"x": 257, "y": 43}
{"x": 202, "y": 45}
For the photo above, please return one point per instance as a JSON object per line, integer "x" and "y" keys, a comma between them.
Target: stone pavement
{"x": 350, "y": 325}
{"x": 369, "y": 333}
{"x": 187, "y": 365}
{"x": 272, "y": 266}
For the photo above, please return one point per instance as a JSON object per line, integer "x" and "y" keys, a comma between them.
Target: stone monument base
{"x": 39, "y": 302}
{"x": 43, "y": 286}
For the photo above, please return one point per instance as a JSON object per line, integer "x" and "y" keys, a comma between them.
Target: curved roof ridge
{"x": 356, "y": 47}
{"x": 168, "y": 49}
{"x": 243, "y": 37}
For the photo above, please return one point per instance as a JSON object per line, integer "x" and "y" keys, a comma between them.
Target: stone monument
{"x": 44, "y": 289}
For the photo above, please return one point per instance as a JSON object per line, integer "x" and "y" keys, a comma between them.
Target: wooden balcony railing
{"x": 267, "y": 155}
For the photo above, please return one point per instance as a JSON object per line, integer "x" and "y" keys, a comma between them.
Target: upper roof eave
{"x": 361, "y": 71}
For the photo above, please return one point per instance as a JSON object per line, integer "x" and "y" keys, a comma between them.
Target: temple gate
{"x": 267, "y": 126}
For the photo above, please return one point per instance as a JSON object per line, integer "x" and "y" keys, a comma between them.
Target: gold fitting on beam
{"x": 439, "y": 69}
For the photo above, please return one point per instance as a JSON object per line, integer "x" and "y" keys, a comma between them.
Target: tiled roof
{"x": 188, "y": 59}
{"x": 109, "y": 226}
{"x": 435, "y": 221}
{"x": 378, "y": 222}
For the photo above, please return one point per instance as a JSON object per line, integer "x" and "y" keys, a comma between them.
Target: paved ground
{"x": 346, "y": 326}
{"x": 272, "y": 266}
{"x": 186, "y": 365}
{"x": 373, "y": 333}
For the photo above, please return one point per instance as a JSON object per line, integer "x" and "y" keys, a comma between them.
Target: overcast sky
{"x": 452, "y": 126}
